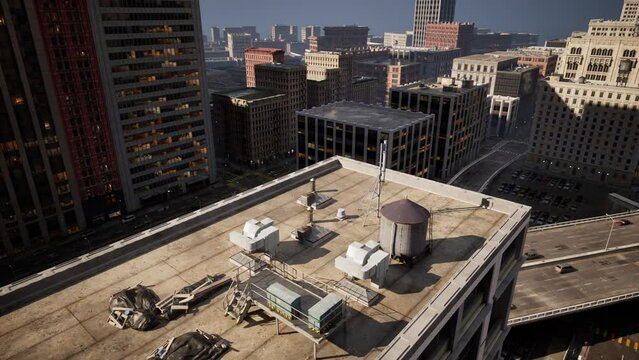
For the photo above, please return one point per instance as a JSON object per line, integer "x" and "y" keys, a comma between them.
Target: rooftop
{"x": 490, "y": 57}
{"x": 264, "y": 50}
{"x": 448, "y": 86}
{"x": 248, "y": 94}
{"x": 371, "y": 116}
{"x": 600, "y": 274}
{"x": 71, "y": 323}
{"x": 285, "y": 67}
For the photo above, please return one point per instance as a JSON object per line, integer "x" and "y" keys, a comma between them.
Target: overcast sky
{"x": 549, "y": 18}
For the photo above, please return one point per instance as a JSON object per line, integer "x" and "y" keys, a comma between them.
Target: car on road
{"x": 532, "y": 254}
{"x": 128, "y": 219}
{"x": 622, "y": 222}
{"x": 564, "y": 268}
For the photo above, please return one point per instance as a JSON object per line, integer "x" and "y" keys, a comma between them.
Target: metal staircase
{"x": 237, "y": 301}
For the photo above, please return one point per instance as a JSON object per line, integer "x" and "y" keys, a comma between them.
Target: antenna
{"x": 376, "y": 191}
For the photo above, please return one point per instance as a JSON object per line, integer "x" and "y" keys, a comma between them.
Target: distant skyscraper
{"x": 308, "y": 31}
{"x": 156, "y": 95}
{"x": 630, "y": 11}
{"x": 241, "y": 30}
{"x": 255, "y": 56}
{"x": 284, "y": 32}
{"x": 215, "y": 36}
{"x": 430, "y": 11}
{"x": 450, "y": 35}
{"x": 238, "y": 43}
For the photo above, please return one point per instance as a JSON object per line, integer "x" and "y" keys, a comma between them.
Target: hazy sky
{"x": 549, "y": 18}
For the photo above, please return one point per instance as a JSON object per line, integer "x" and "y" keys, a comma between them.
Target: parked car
{"x": 128, "y": 218}
{"x": 564, "y": 268}
{"x": 622, "y": 222}
{"x": 531, "y": 254}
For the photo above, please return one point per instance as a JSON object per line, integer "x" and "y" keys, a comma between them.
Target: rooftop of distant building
{"x": 248, "y": 93}
{"x": 287, "y": 67}
{"x": 371, "y": 116}
{"x": 489, "y": 57}
{"x": 449, "y": 86}
{"x": 71, "y": 322}
{"x": 264, "y": 50}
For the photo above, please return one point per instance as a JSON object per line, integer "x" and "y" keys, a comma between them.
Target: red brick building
{"x": 449, "y": 35}
{"x": 254, "y": 56}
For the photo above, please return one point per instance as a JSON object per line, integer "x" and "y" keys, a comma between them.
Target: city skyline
{"x": 498, "y": 15}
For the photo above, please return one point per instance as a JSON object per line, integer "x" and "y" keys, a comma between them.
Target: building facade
{"x": 630, "y": 11}
{"x": 238, "y": 43}
{"x": 434, "y": 62}
{"x": 398, "y": 38}
{"x": 308, "y": 31}
{"x": 544, "y": 59}
{"x": 461, "y": 112}
{"x": 252, "y": 30}
{"x": 319, "y": 62}
{"x": 156, "y": 96}
{"x": 289, "y": 80}
{"x": 503, "y": 118}
{"x": 450, "y": 35}
{"x": 483, "y": 69}
{"x": 356, "y": 130}
{"x": 284, "y": 33}
{"x": 216, "y": 38}
{"x": 389, "y": 73}
{"x": 427, "y": 11}
{"x": 255, "y": 56}
{"x": 247, "y": 124}
{"x": 323, "y": 87}
{"x": 340, "y": 38}
{"x": 364, "y": 90}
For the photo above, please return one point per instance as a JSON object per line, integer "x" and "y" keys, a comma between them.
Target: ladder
{"x": 237, "y": 302}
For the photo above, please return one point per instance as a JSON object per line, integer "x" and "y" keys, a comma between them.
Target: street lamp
{"x": 612, "y": 224}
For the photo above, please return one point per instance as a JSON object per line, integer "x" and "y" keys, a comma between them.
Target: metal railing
{"x": 572, "y": 308}
{"x": 582, "y": 221}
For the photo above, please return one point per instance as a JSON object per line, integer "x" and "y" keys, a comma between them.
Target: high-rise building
{"x": 450, "y": 35}
{"x": 504, "y": 117}
{"x": 318, "y": 62}
{"x": 252, "y": 30}
{"x": 254, "y": 56}
{"x": 545, "y": 59}
{"x": 215, "y": 36}
{"x": 630, "y": 11}
{"x": 398, "y": 38}
{"x": 461, "y": 112}
{"x": 427, "y": 11}
{"x": 434, "y": 62}
{"x": 364, "y": 90}
{"x": 340, "y": 38}
{"x": 291, "y": 81}
{"x": 247, "y": 124}
{"x": 356, "y": 130}
{"x": 155, "y": 95}
{"x": 238, "y": 43}
{"x": 284, "y": 33}
{"x": 389, "y": 73}
{"x": 586, "y": 123}
{"x": 308, "y": 31}
{"x": 323, "y": 86}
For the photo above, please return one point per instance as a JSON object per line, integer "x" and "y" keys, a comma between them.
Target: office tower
{"x": 58, "y": 163}
{"x": 364, "y": 90}
{"x": 319, "y": 62}
{"x": 389, "y": 73}
{"x": 398, "y": 38}
{"x": 461, "y": 112}
{"x": 545, "y": 59}
{"x": 238, "y": 43}
{"x": 340, "y": 38}
{"x": 215, "y": 36}
{"x": 450, "y": 35}
{"x": 483, "y": 68}
{"x": 323, "y": 86}
{"x": 308, "y": 31}
{"x": 155, "y": 95}
{"x": 520, "y": 82}
{"x": 585, "y": 123}
{"x": 630, "y": 11}
{"x": 247, "y": 124}
{"x": 284, "y": 33}
{"x": 291, "y": 81}
{"x": 430, "y": 11}
{"x": 252, "y": 30}
{"x": 434, "y": 62}
{"x": 356, "y": 130}
{"x": 254, "y": 56}
{"x": 504, "y": 117}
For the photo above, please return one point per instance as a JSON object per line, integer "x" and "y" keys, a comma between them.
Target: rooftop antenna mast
{"x": 377, "y": 188}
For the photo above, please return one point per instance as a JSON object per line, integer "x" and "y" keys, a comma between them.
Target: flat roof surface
{"x": 437, "y": 88}
{"x": 372, "y": 116}
{"x": 540, "y": 288}
{"x": 283, "y": 66}
{"x": 71, "y": 323}
{"x": 248, "y": 93}
{"x": 488, "y": 57}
